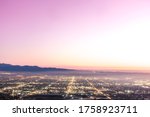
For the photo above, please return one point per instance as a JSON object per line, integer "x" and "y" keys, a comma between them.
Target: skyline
{"x": 81, "y": 34}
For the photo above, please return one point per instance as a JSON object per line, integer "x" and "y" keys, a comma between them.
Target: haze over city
{"x": 74, "y": 50}
{"x": 79, "y": 34}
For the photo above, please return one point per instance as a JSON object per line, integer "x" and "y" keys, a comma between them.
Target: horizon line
{"x": 87, "y": 68}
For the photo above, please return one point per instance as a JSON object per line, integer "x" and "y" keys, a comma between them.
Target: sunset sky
{"x": 81, "y": 34}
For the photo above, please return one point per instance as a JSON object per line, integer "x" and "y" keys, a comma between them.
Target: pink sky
{"x": 88, "y": 34}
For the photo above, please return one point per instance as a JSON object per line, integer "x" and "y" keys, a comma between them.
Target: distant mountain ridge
{"x": 27, "y": 68}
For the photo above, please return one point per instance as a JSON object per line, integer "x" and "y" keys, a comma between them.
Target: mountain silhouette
{"x": 27, "y": 68}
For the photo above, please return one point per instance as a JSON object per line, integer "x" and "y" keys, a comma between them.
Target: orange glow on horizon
{"x": 94, "y": 34}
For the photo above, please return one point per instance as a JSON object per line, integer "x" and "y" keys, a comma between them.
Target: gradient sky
{"x": 82, "y": 34}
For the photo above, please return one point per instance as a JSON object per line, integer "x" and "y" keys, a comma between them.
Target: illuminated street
{"x": 74, "y": 85}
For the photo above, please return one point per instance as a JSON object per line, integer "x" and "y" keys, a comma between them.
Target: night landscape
{"x": 74, "y": 49}
{"x": 35, "y": 83}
